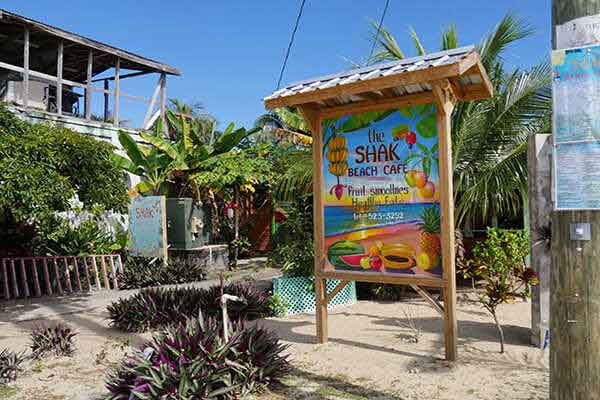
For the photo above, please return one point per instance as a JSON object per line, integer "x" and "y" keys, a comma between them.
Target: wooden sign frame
{"x": 445, "y": 89}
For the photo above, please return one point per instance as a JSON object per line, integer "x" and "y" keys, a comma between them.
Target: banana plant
{"x": 166, "y": 164}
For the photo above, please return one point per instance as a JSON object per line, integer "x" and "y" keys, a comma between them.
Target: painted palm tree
{"x": 489, "y": 137}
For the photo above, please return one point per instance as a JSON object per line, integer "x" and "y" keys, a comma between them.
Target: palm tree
{"x": 489, "y": 137}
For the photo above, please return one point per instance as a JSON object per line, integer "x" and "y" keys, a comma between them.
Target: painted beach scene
{"x": 380, "y": 190}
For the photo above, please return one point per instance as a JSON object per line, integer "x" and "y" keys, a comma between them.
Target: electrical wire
{"x": 387, "y": 3}
{"x": 289, "y": 48}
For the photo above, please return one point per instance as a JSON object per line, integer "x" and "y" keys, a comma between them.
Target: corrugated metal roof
{"x": 376, "y": 71}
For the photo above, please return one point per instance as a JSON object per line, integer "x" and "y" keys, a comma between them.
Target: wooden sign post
{"x": 382, "y": 151}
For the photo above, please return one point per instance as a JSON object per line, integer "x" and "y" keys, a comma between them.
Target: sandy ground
{"x": 371, "y": 355}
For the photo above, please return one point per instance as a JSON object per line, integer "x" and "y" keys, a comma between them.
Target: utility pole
{"x": 575, "y": 270}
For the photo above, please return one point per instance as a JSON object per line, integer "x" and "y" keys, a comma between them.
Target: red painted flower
{"x": 411, "y": 139}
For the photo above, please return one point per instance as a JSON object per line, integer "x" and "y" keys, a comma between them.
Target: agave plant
{"x": 10, "y": 365}
{"x": 193, "y": 361}
{"x": 57, "y": 339}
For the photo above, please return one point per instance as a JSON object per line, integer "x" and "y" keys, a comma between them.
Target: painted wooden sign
{"x": 148, "y": 227}
{"x": 380, "y": 189}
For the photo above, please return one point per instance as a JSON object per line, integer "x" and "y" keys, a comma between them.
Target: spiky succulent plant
{"x": 192, "y": 361}
{"x": 57, "y": 339}
{"x": 10, "y": 365}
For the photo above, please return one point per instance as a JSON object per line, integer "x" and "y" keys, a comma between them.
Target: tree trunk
{"x": 499, "y": 331}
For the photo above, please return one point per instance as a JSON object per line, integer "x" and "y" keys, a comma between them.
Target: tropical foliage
{"x": 490, "y": 137}
{"x": 57, "y": 339}
{"x": 193, "y": 361}
{"x": 159, "y": 307}
{"x": 141, "y": 272}
{"x": 10, "y": 365}
{"x": 166, "y": 166}
{"x": 43, "y": 166}
{"x": 500, "y": 262}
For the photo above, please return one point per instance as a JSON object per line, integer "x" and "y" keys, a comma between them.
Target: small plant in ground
{"x": 192, "y": 361}
{"x": 10, "y": 365}
{"x": 277, "y": 305}
{"x": 411, "y": 324}
{"x": 159, "y": 307}
{"x": 500, "y": 261}
{"x": 57, "y": 339}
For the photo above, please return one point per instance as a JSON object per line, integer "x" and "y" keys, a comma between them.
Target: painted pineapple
{"x": 430, "y": 239}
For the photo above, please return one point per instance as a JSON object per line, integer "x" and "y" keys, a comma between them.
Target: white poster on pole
{"x": 578, "y": 32}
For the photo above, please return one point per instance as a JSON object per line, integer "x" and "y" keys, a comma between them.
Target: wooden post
{"x": 106, "y": 87}
{"x": 163, "y": 101}
{"x": 26, "y": 68}
{"x": 24, "y": 279}
{"x": 36, "y": 279}
{"x": 117, "y": 93}
{"x": 77, "y": 277}
{"x": 88, "y": 89}
{"x": 96, "y": 276}
{"x": 87, "y": 273}
{"x": 5, "y": 280}
{"x": 59, "y": 77}
{"x": 14, "y": 278}
{"x": 313, "y": 119}
{"x": 47, "y": 276}
{"x": 150, "y": 109}
{"x": 113, "y": 272}
{"x": 67, "y": 275}
{"x": 104, "y": 272}
{"x": 445, "y": 105}
{"x": 574, "y": 276}
{"x": 57, "y": 274}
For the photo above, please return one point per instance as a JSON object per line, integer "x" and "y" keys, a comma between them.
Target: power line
{"x": 387, "y": 3}
{"x": 287, "y": 53}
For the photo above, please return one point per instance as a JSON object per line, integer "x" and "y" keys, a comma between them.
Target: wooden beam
{"x": 59, "y": 78}
{"x": 88, "y": 90}
{"x": 150, "y": 108}
{"x": 394, "y": 279}
{"x": 445, "y": 105}
{"x": 384, "y": 82}
{"x": 26, "y": 69}
{"x": 313, "y": 119}
{"x": 106, "y": 92}
{"x": 339, "y": 287}
{"x": 163, "y": 102}
{"x": 117, "y": 94}
{"x": 376, "y": 105}
{"x": 427, "y": 297}
{"x": 130, "y": 75}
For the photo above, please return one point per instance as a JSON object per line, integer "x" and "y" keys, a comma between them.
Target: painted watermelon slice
{"x": 353, "y": 260}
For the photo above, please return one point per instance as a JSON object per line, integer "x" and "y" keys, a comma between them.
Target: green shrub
{"x": 43, "y": 166}
{"x": 500, "y": 261}
{"x": 10, "y": 365}
{"x": 192, "y": 361}
{"x": 158, "y": 307}
{"x": 141, "y": 272}
{"x": 57, "y": 339}
{"x": 293, "y": 242}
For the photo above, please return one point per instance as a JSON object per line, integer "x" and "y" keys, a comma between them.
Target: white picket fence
{"x": 46, "y": 276}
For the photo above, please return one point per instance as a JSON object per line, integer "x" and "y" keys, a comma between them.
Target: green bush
{"x": 158, "y": 307}
{"x": 293, "y": 242}
{"x": 141, "y": 272}
{"x": 43, "y": 166}
{"x": 193, "y": 361}
{"x": 500, "y": 261}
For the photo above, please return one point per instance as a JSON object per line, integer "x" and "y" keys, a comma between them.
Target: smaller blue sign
{"x": 148, "y": 227}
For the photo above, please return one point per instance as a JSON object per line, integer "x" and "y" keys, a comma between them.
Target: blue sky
{"x": 230, "y": 52}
